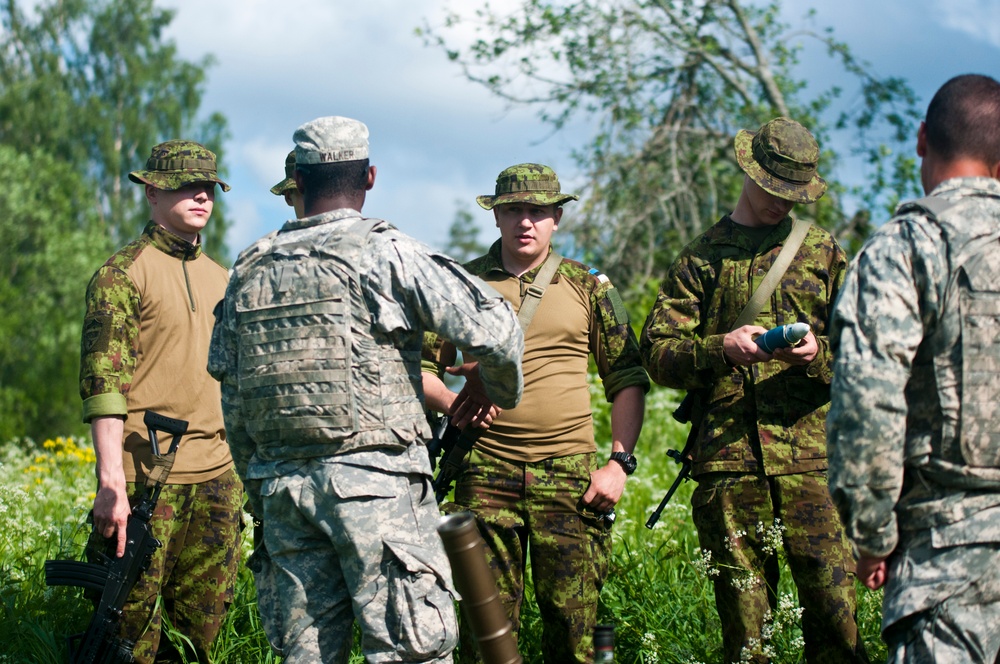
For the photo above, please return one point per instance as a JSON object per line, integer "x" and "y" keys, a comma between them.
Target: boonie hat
{"x": 526, "y": 183}
{"x": 289, "y": 181}
{"x": 174, "y": 164}
{"x": 330, "y": 139}
{"x": 781, "y": 157}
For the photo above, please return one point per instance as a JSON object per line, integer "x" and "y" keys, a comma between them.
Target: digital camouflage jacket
{"x": 768, "y": 418}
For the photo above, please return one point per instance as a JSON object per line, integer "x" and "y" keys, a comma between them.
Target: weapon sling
{"x": 753, "y": 307}
{"x": 452, "y": 462}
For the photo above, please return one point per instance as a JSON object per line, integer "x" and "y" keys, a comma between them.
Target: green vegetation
{"x": 658, "y": 595}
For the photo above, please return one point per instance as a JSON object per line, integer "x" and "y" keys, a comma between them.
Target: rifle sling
{"x": 533, "y": 294}
{"x": 774, "y": 275}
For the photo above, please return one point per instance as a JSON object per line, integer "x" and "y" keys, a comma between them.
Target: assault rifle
{"x": 453, "y": 445}
{"x": 115, "y": 577}
{"x": 682, "y": 414}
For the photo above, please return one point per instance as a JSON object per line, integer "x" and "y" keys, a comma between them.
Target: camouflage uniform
{"x": 145, "y": 344}
{"x": 525, "y": 486}
{"x": 317, "y": 346}
{"x": 760, "y": 450}
{"x": 914, "y": 457}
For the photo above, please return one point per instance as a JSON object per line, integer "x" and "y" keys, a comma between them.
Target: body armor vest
{"x": 314, "y": 371}
{"x": 954, "y": 430}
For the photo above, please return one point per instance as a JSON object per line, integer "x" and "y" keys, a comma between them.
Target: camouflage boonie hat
{"x": 781, "y": 157}
{"x": 174, "y": 164}
{"x": 526, "y": 183}
{"x": 289, "y": 182}
{"x": 330, "y": 139}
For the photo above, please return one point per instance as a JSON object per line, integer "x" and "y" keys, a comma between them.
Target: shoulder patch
{"x": 601, "y": 277}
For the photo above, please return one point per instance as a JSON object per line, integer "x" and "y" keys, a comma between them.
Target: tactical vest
{"x": 315, "y": 374}
{"x": 958, "y": 425}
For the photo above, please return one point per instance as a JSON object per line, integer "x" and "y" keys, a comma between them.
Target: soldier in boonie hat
{"x": 177, "y": 163}
{"x": 526, "y": 183}
{"x": 781, "y": 157}
{"x": 288, "y": 188}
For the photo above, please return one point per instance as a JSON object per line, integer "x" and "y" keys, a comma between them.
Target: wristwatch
{"x": 626, "y": 460}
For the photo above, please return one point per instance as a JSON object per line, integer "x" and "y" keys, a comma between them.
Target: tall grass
{"x": 657, "y": 595}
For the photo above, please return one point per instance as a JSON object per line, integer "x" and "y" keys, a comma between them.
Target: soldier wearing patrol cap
{"x": 288, "y": 188}
{"x": 317, "y": 346}
{"x": 759, "y": 443}
{"x": 145, "y": 347}
{"x": 534, "y": 479}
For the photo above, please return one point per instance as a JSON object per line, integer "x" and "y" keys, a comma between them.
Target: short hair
{"x": 963, "y": 119}
{"x": 333, "y": 178}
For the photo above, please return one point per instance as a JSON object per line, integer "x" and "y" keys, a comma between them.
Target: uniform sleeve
{"x": 879, "y": 320}
{"x": 674, "y": 346}
{"x": 110, "y": 343}
{"x": 413, "y": 286}
{"x": 436, "y": 354}
{"x": 612, "y": 340}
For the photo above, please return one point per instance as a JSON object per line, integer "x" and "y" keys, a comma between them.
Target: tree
{"x": 94, "y": 83}
{"x": 87, "y": 87}
{"x": 463, "y": 237}
{"x": 667, "y": 85}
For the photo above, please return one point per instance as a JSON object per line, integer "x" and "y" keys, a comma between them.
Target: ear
{"x": 151, "y": 194}
{"x": 496, "y": 217}
{"x": 371, "y": 178}
{"x": 995, "y": 171}
{"x": 298, "y": 180}
{"x": 556, "y": 216}
{"x": 922, "y": 140}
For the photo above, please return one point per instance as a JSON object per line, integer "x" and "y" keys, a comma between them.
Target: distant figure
{"x": 534, "y": 479}
{"x": 915, "y": 424}
{"x": 288, "y": 188}
{"x": 145, "y": 346}
{"x": 759, "y": 445}
{"x": 318, "y": 347}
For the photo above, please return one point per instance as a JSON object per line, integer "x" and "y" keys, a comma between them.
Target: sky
{"x": 439, "y": 140}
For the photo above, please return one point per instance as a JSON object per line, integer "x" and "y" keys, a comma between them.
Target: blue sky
{"x": 437, "y": 139}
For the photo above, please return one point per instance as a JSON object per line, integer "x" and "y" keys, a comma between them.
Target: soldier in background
{"x": 288, "y": 189}
{"x": 317, "y": 346}
{"x": 915, "y": 423}
{"x": 145, "y": 346}
{"x": 759, "y": 446}
{"x": 534, "y": 479}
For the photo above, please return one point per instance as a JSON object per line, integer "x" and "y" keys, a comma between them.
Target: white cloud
{"x": 979, "y": 19}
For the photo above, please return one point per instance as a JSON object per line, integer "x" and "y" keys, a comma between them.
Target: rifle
{"x": 682, "y": 414}
{"x": 455, "y": 444}
{"x": 115, "y": 577}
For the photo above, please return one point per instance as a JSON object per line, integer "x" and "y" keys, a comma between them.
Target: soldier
{"x": 145, "y": 346}
{"x": 317, "y": 346}
{"x": 533, "y": 480}
{"x": 287, "y": 188}
{"x": 759, "y": 449}
{"x": 914, "y": 428}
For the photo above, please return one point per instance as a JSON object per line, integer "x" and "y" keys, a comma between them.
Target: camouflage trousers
{"x": 193, "y": 575}
{"x": 348, "y": 542}
{"x": 942, "y": 604}
{"x": 532, "y": 511}
{"x": 744, "y": 520}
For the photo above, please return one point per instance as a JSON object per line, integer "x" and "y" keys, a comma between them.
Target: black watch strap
{"x": 626, "y": 460}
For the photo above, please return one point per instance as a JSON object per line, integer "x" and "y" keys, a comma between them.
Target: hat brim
{"x": 809, "y": 192}
{"x": 168, "y": 181}
{"x": 283, "y": 186}
{"x": 488, "y": 202}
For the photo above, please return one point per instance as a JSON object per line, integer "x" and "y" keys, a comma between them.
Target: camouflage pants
{"x": 532, "y": 510}
{"x": 193, "y": 573}
{"x": 349, "y": 542}
{"x": 735, "y": 515}
{"x": 942, "y": 605}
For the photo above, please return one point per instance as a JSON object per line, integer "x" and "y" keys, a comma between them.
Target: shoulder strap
{"x": 533, "y": 295}
{"x": 933, "y": 204}
{"x": 773, "y": 276}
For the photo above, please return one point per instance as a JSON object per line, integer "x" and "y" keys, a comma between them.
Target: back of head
{"x": 963, "y": 119}
{"x": 331, "y": 156}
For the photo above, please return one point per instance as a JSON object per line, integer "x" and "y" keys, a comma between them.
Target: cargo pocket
{"x": 268, "y": 600}
{"x": 421, "y": 603}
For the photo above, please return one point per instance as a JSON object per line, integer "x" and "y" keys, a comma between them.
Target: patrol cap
{"x": 330, "y": 139}
{"x": 781, "y": 157}
{"x": 526, "y": 183}
{"x": 174, "y": 164}
{"x": 289, "y": 182}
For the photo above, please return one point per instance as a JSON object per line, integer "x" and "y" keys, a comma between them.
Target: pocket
{"x": 421, "y": 603}
{"x": 268, "y": 598}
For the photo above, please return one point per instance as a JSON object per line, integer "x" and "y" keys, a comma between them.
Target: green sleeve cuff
{"x": 617, "y": 381}
{"x": 99, "y": 405}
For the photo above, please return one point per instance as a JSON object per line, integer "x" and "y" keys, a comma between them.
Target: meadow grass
{"x": 657, "y": 595}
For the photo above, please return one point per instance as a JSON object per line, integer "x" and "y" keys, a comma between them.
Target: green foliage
{"x": 463, "y": 238}
{"x": 666, "y": 86}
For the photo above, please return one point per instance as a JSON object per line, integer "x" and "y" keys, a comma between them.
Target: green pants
{"x": 193, "y": 573}
{"x": 735, "y": 516}
{"x": 532, "y": 511}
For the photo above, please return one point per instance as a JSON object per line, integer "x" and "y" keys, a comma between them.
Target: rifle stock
{"x": 684, "y": 413}
{"x": 114, "y": 577}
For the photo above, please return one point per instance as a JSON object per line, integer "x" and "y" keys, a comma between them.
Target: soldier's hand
{"x": 111, "y": 511}
{"x": 801, "y": 353}
{"x": 472, "y": 407}
{"x": 873, "y": 571}
{"x": 740, "y": 349}
{"x": 606, "y": 487}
